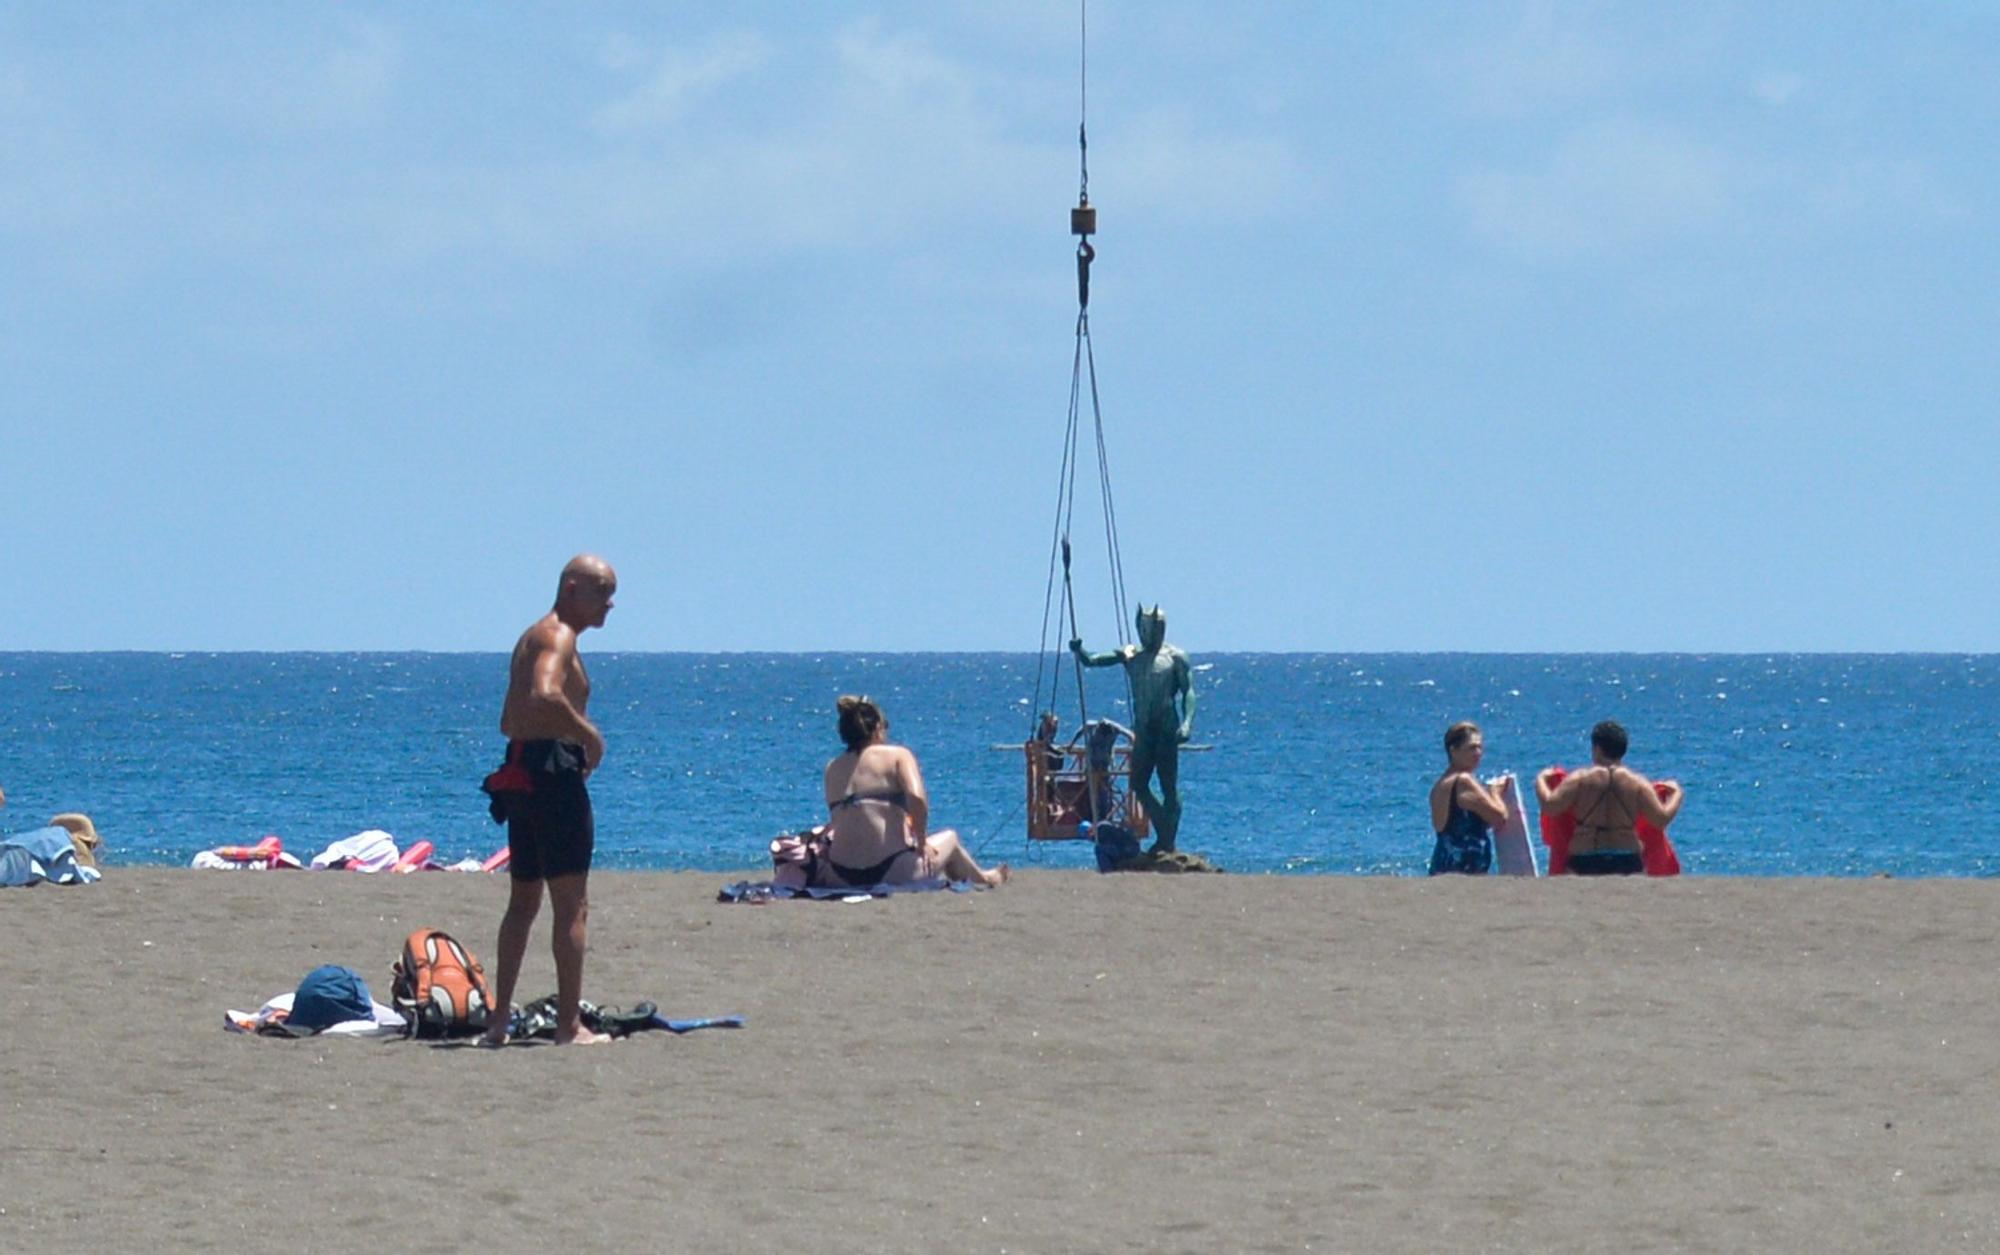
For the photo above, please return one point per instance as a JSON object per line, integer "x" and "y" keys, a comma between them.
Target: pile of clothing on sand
{"x": 64, "y": 853}
{"x": 438, "y": 990}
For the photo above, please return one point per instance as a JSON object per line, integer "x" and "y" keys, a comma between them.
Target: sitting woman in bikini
{"x": 880, "y": 813}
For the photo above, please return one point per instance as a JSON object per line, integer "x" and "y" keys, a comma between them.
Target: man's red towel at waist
{"x": 510, "y": 782}
{"x": 512, "y": 776}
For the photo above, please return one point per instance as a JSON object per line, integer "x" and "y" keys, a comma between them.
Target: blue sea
{"x": 1812, "y": 765}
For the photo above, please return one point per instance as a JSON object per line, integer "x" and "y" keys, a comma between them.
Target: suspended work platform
{"x": 1067, "y": 791}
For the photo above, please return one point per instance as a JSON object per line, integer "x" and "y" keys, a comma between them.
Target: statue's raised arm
{"x": 1089, "y": 659}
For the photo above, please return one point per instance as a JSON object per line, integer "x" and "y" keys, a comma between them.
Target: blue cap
{"x": 327, "y": 996}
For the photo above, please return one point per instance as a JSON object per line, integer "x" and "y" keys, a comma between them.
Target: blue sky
{"x": 1497, "y": 326}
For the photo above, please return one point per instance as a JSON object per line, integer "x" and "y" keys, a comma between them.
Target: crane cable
{"x": 1083, "y": 364}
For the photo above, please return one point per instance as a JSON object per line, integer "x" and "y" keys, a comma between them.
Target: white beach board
{"x": 1513, "y": 852}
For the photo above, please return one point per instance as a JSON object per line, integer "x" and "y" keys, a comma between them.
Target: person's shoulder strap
{"x": 1611, "y": 787}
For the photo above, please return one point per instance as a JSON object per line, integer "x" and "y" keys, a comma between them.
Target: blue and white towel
{"x": 29, "y": 858}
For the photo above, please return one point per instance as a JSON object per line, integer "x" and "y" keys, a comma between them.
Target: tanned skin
{"x": 1611, "y": 826}
{"x": 548, "y": 695}
{"x": 879, "y": 767}
{"x": 1460, "y": 783}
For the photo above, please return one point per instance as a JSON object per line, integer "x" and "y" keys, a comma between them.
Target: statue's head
{"x": 1152, "y": 627}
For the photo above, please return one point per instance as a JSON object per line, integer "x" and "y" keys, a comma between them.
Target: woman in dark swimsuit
{"x": 879, "y": 814}
{"x": 1463, "y": 810}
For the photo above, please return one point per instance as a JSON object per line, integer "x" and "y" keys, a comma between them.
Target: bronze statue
{"x": 1160, "y": 677}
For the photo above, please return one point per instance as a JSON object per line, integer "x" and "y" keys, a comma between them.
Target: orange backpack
{"x": 439, "y": 987}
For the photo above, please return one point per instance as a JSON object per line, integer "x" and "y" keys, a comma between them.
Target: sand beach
{"x": 1076, "y": 1062}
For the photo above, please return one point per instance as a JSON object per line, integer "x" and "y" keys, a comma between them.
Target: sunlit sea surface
{"x": 1842, "y": 765}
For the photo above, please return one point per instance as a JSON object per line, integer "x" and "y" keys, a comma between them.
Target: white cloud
{"x": 1869, "y": 190}
{"x": 358, "y": 75}
{"x": 874, "y": 136}
{"x": 343, "y": 77}
{"x": 900, "y": 70}
{"x": 13, "y": 89}
{"x": 874, "y": 140}
{"x": 1622, "y": 188}
{"x": 621, "y": 52}
{"x": 1613, "y": 186}
{"x": 680, "y": 77}
{"x": 1551, "y": 57}
{"x": 1777, "y": 87}
{"x": 1170, "y": 165}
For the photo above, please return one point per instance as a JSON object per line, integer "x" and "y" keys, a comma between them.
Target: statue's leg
{"x": 1168, "y": 822}
{"x": 1139, "y": 783}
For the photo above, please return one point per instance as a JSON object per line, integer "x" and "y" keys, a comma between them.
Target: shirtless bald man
{"x": 552, "y": 746}
{"x": 1608, "y": 798}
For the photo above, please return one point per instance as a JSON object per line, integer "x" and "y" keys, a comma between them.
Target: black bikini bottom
{"x": 1606, "y": 863}
{"x": 873, "y": 874}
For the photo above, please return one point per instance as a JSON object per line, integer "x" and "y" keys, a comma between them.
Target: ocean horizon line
{"x": 854, "y": 652}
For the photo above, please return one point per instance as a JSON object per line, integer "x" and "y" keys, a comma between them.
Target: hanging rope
{"x": 1083, "y": 224}
{"x": 1058, "y": 549}
{"x": 1083, "y": 98}
{"x": 1104, "y": 493}
{"x": 1083, "y": 219}
{"x": 1083, "y": 365}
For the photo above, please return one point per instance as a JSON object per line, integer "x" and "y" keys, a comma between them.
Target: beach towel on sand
{"x": 1656, "y": 852}
{"x": 370, "y": 851}
{"x": 757, "y": 892}
{"x": 269, "y": 1021}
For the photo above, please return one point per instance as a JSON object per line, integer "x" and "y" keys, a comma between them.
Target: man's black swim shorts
{"x": 550, "y": 829}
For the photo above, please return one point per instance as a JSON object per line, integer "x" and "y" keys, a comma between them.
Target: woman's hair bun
{"x": 859, "y": 718}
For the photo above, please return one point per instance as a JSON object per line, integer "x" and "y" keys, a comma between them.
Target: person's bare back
{"x": 1606, "y": 807}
